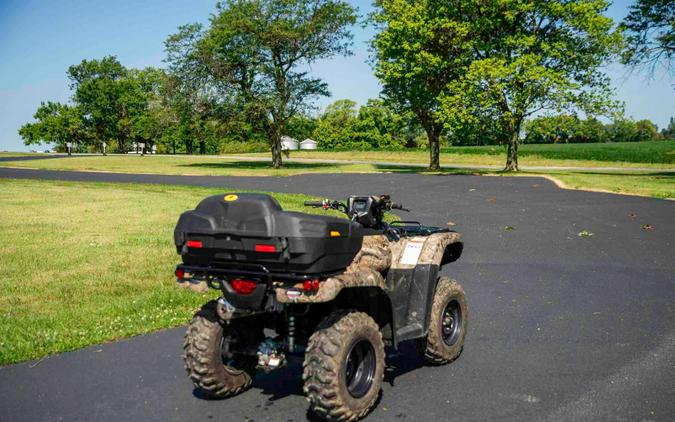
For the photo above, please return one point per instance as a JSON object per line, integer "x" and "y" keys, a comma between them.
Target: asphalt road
{"x": 28, "y": 157}
{"x": 562, "y": 326}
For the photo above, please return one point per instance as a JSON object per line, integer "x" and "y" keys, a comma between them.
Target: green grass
{"x": 657, "y": 185}
{"x": 655, "y": 152}
{"x": 84, "y": 263}
{"x": 186, "y": 165}
{"x": 658, "y": 154}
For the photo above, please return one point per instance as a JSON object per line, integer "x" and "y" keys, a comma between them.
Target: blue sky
{"x": 40, "y": 39}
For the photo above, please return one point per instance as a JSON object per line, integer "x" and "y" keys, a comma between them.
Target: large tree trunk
{"x": 512, "y": 150}
{"x": 275, "y": 143}
{"x": 434, "y": 150}
{"x": 433, "y": 131}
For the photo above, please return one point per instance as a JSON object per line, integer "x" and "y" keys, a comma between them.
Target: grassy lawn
{"x": 658, "y": 154}
{"x": 84, "y": 263}
{"x": 657, "y": 185}
{"x": 186, "y": 165}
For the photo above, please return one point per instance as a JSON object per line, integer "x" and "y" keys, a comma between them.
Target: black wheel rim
{"x": 229, "y": 358}
{"x": 359, "y": 371}
{"x": 451, "y": 322}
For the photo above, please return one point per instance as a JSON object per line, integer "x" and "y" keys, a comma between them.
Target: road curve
{"x": 562, "y": 326}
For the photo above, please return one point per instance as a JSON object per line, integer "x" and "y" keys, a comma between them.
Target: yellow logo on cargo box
{"x": 231, "y": 197}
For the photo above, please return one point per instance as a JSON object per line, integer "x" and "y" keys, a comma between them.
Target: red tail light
{"x": 310, "y": 285}
{"x": 243, "y": 287}
{"x": 265, "y": 248}
{"x": 180, "y": 273}
{"x": 195, "y": 244}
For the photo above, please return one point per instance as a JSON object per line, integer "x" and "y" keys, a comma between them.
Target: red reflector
{"x": 194, "y": 244}
{"x": 180, "y": 273}
{"x": 265, "y": 248}
{"x": 310, "y": 285}
{"x": 243, "y": 287}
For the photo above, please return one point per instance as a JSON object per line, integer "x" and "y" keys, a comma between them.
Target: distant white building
{"x": 308, "y": 144}
{"x": 288, "y": 143}
{"x": 137, "y": 148}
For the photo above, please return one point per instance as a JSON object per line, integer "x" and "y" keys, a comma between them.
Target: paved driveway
{"x": 562, "y": 327}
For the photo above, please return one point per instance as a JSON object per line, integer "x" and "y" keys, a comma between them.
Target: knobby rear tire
{"x": 325, "y": 362}
{"x": 203, "y": 360}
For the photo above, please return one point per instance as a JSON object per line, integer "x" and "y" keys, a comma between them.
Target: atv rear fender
{"x": 410, "y": 283}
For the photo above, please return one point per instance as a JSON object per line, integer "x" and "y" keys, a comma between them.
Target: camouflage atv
{"x": 336, "y": 290}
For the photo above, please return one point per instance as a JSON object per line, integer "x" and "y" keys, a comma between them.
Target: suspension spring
{"x": 291, "y": 332}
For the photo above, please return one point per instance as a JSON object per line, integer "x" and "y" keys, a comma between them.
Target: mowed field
{"x": 85, "y": 263}
{"x": 616, "y": 154}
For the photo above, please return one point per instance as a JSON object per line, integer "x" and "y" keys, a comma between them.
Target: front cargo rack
{"x": 415, "y": 228}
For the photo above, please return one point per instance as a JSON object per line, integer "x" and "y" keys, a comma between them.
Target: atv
{"x": 336, "y": 290}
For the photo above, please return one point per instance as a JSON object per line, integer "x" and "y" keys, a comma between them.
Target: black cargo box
{"x": 245, "y": 228}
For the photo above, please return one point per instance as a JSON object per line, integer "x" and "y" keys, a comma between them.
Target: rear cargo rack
{"x": 250, "y": 270}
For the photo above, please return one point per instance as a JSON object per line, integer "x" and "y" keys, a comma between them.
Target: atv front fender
{"x": 437, "y": 249}
{"x": 411, "y": 283}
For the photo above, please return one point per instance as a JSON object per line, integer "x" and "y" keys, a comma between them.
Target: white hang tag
{"x": 411, "y": 253}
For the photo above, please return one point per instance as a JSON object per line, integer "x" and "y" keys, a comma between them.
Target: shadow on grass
{"x": 304, "y": 167}
{"x": 260, "y": 165}
{"x": 446, "y": 171}
{"x": 299, "y": 167}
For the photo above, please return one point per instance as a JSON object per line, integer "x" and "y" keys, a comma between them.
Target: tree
{"x": 333, "y": 128}
{"x": 650, "y": 26}
{"x": 111, "y": 104}
{"x": 564, "y": 128}
{"x": 194, "y": 94}
{"x": 623, "y": 130}
{"x": 98, "y": 94}
{"x": 140, "y": 91}
{"x": 56, "y": 123}
{"x": 256, "y": 53}
{"x": 668, "y": 132}
{"x": 552, "y": 129}
{"x": 379, "y": 126}
{"x": 417, "y": 53}
{"x": 646, "y": 131}
{"x": 300, "y": 127}
{"x": 528, "y": 56}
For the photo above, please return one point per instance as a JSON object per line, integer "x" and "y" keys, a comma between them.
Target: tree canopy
{"x": 453, "y": 72}
{"x": 254, "y": 54}
{"x": 110, "y": 105}
{"x": 650, "y": 28}
{"x": 418, "y": 51}
{"x": 529, "y": 56}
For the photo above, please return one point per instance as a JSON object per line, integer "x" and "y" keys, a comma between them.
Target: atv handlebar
{"x": 314, "y": 203}
{"x": 395, "y": 206}
{"x": 327, "y": 204}
{"x": 382, "y": 203}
